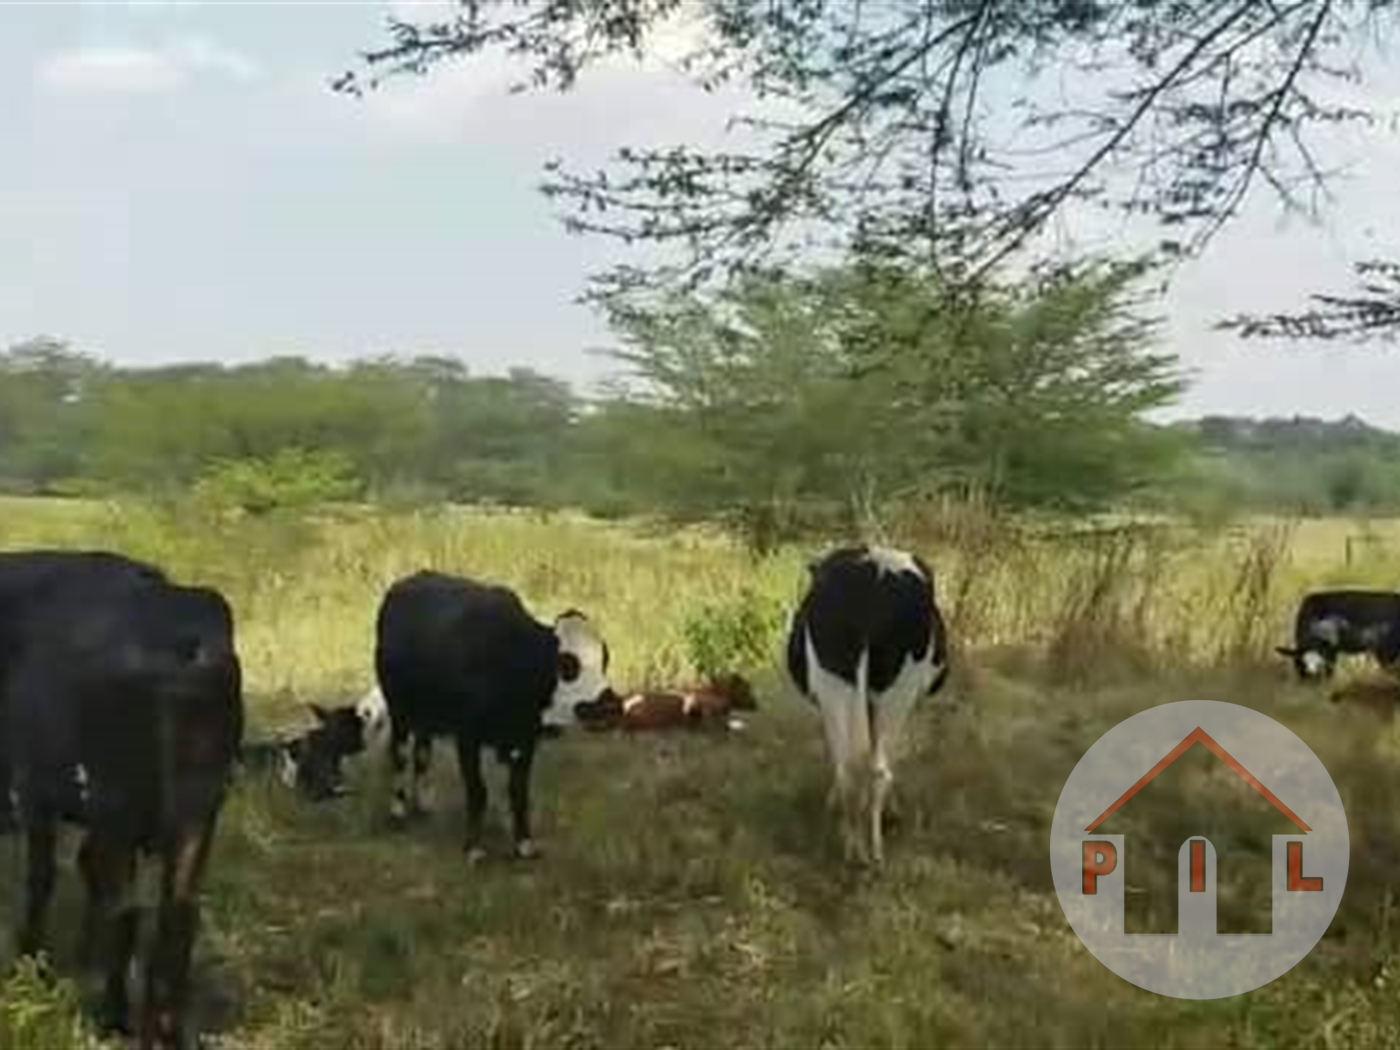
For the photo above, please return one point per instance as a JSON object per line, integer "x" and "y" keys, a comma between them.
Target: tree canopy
{"x": 835, "y": 388}
{"x": 925, "y": 128}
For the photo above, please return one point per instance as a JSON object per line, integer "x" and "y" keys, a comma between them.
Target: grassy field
{"x": 689, "y": 896}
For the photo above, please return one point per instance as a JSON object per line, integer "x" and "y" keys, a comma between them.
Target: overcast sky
{"x": 177, "y": 182}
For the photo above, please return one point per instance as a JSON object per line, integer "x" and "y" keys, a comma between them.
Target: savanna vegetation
{"x": 690, "y": 893}
{"x": 836, "y": 350}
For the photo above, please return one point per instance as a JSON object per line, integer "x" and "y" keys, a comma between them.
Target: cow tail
{"x": 865, "y": 744}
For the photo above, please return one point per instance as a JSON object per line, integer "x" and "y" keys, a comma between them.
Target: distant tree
{"x": 928, "y": 127}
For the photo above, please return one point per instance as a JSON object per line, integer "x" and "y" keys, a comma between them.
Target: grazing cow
{"x": 312, "y": 762}
{"x": 865, "y": 643}
{"x": 460, "y": 658}
{"x": 1329, "y": 623}
{"x": 31, "y": 576}
{"x": 125, "y": 714}
{"x": 708, "y": 706}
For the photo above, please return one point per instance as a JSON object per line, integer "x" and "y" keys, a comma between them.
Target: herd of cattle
{"x": 121, "y": 712}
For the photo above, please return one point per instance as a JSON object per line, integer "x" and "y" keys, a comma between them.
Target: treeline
{"x": 780, "y": 404}
{"x": 1298, "y": 465}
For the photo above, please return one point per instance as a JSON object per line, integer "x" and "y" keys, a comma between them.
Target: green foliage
{"x": 738, "y": 634}
{"x": 858, "y": 386}
{"x": 290, "y": 479}
{"x": 38, "y": 1012}
{"x": 925, "y": 127}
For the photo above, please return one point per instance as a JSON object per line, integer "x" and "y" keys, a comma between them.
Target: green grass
{"x": 690, "y": 894}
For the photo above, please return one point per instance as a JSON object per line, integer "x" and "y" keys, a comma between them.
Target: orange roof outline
{"x": 1200, "y": 736}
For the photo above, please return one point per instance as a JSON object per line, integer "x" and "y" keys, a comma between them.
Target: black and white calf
{"x": 866, "y": 643}
{"x": 1329, "y": 623}
{"x": 312, "y": 762}
{"x": 459, "y": 658}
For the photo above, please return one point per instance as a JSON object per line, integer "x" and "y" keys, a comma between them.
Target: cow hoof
{"x": 526, "y": 850}
{"x": 114, "y": 1019}
{"x": 475, "y": 855}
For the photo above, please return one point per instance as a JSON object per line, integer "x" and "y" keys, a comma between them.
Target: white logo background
{"x": 1196, "y": 963}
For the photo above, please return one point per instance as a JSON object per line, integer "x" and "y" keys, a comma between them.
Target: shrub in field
{"x": 740, "y": 633}
{"x": 37, "y": 1013}
{"x": 293, "y": 478}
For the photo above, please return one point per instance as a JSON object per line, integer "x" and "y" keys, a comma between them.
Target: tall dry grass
{"x": 689, "y": 894}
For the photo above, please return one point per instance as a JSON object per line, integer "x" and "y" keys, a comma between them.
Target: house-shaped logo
{"x": 1185, "y": 806}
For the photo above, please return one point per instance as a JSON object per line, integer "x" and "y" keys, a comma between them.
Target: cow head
{"x": 374, "y": 714}
{"x": 736, "y": 689}
{"x": 581, "y": 676}
{"x": 1308, "y": 663}
{"x": 313, "y": 762}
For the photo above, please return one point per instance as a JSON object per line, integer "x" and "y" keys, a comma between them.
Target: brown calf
{"x": 707, "y": 706}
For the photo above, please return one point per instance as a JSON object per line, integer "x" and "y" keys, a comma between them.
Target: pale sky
{"x": 179, "y": 183}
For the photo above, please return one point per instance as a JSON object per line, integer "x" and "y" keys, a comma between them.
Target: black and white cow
{"x": 1329, "y": 623}
{"x": 865, "y": 643}
{"x": 459, "y": 658}
{"x": 124, "y": 715}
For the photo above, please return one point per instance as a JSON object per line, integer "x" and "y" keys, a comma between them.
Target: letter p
{"x": 1100, "y": 858}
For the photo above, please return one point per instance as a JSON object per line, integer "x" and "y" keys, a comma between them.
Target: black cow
{"x": 460, "y": 658}
{"x": 29, "y": 577}
{"x": 125, "y": 716}
{"x": 1329, "y": 623}
{"x": 865, "y": 643}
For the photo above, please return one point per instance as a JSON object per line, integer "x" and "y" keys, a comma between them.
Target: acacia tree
{"x": 779, "y": 396}
{"x": 921, "y": 127}
{"x": 1371, "y": 310}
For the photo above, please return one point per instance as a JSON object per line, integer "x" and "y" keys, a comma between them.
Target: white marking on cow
{"x": 892, "y": 709}
{"x": 1313, "y": 663}
{"x": 287, "y": 768}
{"x": 374, "y": 715}
{"x": 689, "y": 702}
{"x": 577, "y": 636}
{"x": 843, "y": 717}
{"x": 892, "y": 561}
{"x": 633, "y": 702}
{"x": 861, "y": 741}
{"x": 81, "y": 775}
{"x": 736, "y": 724}
{"x": 1328, "y": 629}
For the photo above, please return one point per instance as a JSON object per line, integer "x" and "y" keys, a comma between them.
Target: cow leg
{"x": 887, "y": 733}
{"x": 8, "y": 817}
{"x": 422, "y": 762}
{"x": 406, "y": 802}
{"x": 474, "y": 790}
{"x": 168, "y": 970}
{"x": 521, "y": 760}
{"x": 41, "y": 873}
{"x": 110, "y": 923}
{"x": 836, "y": 712}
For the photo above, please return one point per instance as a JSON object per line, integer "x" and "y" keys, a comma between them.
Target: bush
{"x": 735, "y": 635}
{"x": 37, "y": 1013}
{"x": 291, "y": 479}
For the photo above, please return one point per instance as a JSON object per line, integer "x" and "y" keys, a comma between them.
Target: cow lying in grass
{"x": 707, "y": 706}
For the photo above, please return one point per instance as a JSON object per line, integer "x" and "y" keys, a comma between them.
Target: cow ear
{"x": 607, "y": 657}
{"x": 1285, "y": 651}
{"x": 569, "y": 667}
{"x": 322, "y": 715}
